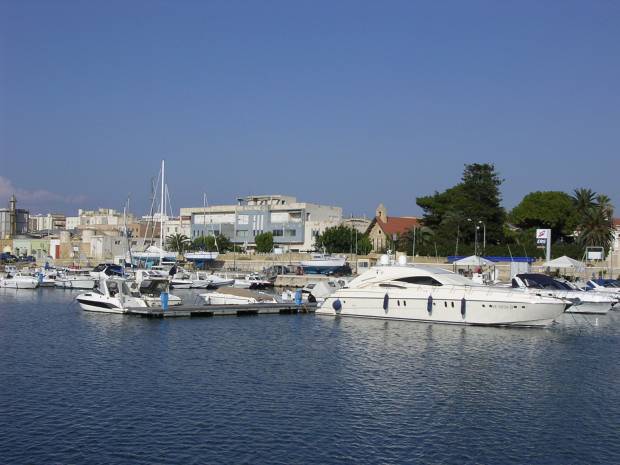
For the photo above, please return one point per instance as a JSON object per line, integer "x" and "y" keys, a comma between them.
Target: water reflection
{"x": 87, "y": 387}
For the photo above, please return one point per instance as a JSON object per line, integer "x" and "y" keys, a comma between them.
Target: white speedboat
{"x": 583, "y": 302}
{"x": 75, "y": 279}
{"x": 322, "y": 264}
{"x": 426, "y": 293}
{"x": 112, "y": 296}
{"x": 252, "y": 281}
{"x": 151, "y": 289}
{"x": 150, "y": 284}
{"x": 105, "y": 270}
{"x": 318, "y": 291}
{"x": 19, "y": 280}
{"x": 609, "y": 287}
{"x": 233, "y": 296}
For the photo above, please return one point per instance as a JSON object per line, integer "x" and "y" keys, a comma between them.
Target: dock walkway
{"x": 222, "y": 310}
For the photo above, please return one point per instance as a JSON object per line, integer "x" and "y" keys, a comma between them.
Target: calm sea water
{"x": 85, "y": 388}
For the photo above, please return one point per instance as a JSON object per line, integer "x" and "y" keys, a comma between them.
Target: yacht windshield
{"x": 541, "y": 281}
{"x": 421, "y": 280}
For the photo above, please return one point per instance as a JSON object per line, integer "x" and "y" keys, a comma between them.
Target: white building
{"x": 100, "y": 217}
{"x": 46, "y": 222}
{"x": 172, "y": 224}
{"x": 294, "y": 224}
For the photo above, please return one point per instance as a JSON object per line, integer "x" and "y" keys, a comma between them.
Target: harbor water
{"x": 79, "y": 387}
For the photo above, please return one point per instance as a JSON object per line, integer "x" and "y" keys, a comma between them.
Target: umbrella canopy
{"x": 565, "y": 262}
{"x": 473, "y": 260}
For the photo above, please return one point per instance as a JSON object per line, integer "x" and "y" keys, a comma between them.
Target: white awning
{"x": 474, "y": 260}
{"x": 566, "y": 262}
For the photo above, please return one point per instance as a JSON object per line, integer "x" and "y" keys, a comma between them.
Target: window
{"x": 290, "y": 232}
{"x": 278, "y": 232}
{"x": 420, "y": 280}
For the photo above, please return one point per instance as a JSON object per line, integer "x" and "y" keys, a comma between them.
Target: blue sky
{"x": 349, "y": 103}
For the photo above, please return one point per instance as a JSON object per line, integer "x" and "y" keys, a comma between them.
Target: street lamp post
{"x": 484, "y": 235}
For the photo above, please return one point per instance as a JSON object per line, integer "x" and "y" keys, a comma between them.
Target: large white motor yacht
{"x": 583, "y": 302}
{"x": 426, "y": 293}
{"x": 113, "y": 296}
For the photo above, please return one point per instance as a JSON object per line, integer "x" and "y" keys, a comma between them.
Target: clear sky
{"x": 349, "y": 103}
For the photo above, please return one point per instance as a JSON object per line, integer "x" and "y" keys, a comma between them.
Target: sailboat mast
{"x": 161, "y": 212}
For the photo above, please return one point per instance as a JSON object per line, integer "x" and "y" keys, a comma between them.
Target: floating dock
{"x": 222, "y": 310}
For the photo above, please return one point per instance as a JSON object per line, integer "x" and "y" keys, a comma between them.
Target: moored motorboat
{"x": 75, "y": 279}
{"x": 150, "y": 284}
{"x": 583, "y": 302}
{"x": 18, "y": 280}
{"x": 113, "y": 296}
{"x": 431, "y": 294}
{"x": 322, "y": 264}
{"x": 235, "y": 296}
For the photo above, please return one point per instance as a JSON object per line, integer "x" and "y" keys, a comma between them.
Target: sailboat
{"x": 203, "y": 255}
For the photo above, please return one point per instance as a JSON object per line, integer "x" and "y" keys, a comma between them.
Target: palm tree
{"x": 596, "y": 228}
{"x": 177, "y": 242}
{"x": 604, "y": 203}
{"x": 584, "y": 201}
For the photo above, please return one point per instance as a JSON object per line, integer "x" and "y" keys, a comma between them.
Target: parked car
{"x": 6, "y": 257}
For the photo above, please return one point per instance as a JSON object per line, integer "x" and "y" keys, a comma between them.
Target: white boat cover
{"x": 566, "y": 262}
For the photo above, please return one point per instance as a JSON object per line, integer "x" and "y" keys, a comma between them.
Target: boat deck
{"x": 222, "y": 310}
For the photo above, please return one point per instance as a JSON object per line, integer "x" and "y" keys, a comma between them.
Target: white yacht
{"x": 150, "y": 284}
{"x": 252, "y": 281}
{"x": 426, "y": 293}
{"x": 583, "y": 302}
{"x": 75, "y": 279}
{"x": 233, "y": 296}
{"x": 113, "y": 296}
{"x": 609, "y": 287}
{"x": 321, "y": 263}
{"x": 19, "y": 280}
{"x": 204, "y": 280}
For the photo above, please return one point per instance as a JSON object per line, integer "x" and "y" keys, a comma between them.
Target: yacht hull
{"x": 75, "y": 283}
{"x": 594, "y": 308}
{"x": 447, "y": 310}
{"x": 97, "y": 306}
{"x": 19, "y": 284}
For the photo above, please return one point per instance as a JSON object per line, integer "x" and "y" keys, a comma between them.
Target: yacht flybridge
{"x": 426, "y": 293}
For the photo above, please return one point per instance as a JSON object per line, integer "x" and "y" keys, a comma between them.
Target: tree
{"x": 205, "y": 243}
{"x": 364, "y": 245}
{"x": 457, "y": 211}
{"x": 583, "y": 200}
{"x": 596, "y": 228}
{"x": 211, "y": 243}
{"x": 177, "y": 242}
{"x": 424, "y": 241}
{"x": 264, "y": 242}
{"x": 223, "y": 243}
{"x": 343, "y": 239}
{"x": 595, "y": 213}
{"x": 550, "y": 210}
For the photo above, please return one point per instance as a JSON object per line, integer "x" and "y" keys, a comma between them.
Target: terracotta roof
{"x": 616, "y": 222}
{"x": 397, "y": 224}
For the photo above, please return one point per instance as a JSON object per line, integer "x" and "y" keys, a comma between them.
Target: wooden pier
{"x": 222, "y": 310}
